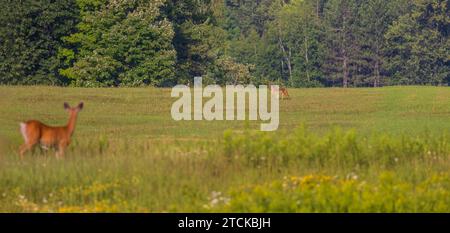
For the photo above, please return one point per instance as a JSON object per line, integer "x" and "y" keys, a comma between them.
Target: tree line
{"x": 297, "y": 43}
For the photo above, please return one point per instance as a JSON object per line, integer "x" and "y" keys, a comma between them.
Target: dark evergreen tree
{"x": 419, "y": 45}
{"x": 31, "y": 33}
{"x": 341, "y": 17}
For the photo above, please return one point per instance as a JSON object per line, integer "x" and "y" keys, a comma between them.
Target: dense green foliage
{"x": 120, "y": 43}
{"x": 31, "y": 32}
{"x": 299, "y": 43}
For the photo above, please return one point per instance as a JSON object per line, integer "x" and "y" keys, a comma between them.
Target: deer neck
{"x": 71, "y": 124}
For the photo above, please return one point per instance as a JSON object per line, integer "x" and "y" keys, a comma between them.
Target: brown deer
{"x": 282, "y": 91}
{"x": 35, "y": 132}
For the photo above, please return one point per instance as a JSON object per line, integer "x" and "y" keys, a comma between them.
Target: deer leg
{"x": 24, "y": 148}
{"x": 61, "y": 149}
{"x": 60, "y": 152}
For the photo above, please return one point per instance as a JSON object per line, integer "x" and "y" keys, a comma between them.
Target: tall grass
{"x": 128, "y": 155}
{"x": 298, "y": 171}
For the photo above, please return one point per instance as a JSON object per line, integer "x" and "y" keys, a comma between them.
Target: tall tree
{"x": 30, "y": 36}
{"x": 375, "y": 18}
{"x": 296, "y": 31}
{"x": 197, "y": 38}
{"x": 419, "y": 44}
{"x": 341, "y": 18}
{"x": 121, "y": 42}
{"x": 245, "y": 16}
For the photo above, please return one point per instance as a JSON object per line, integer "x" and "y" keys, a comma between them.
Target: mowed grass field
{"x": 336, "y": 150}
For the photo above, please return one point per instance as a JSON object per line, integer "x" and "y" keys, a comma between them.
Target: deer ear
{"x": 80, "y": 106}
{"x": 66, "y": 106}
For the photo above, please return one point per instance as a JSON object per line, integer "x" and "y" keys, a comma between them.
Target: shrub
{"x": 338, "y": 148}
{"x": 318, "y": 193}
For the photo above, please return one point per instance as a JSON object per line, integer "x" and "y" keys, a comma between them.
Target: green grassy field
{"x": 337, "y": 150}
